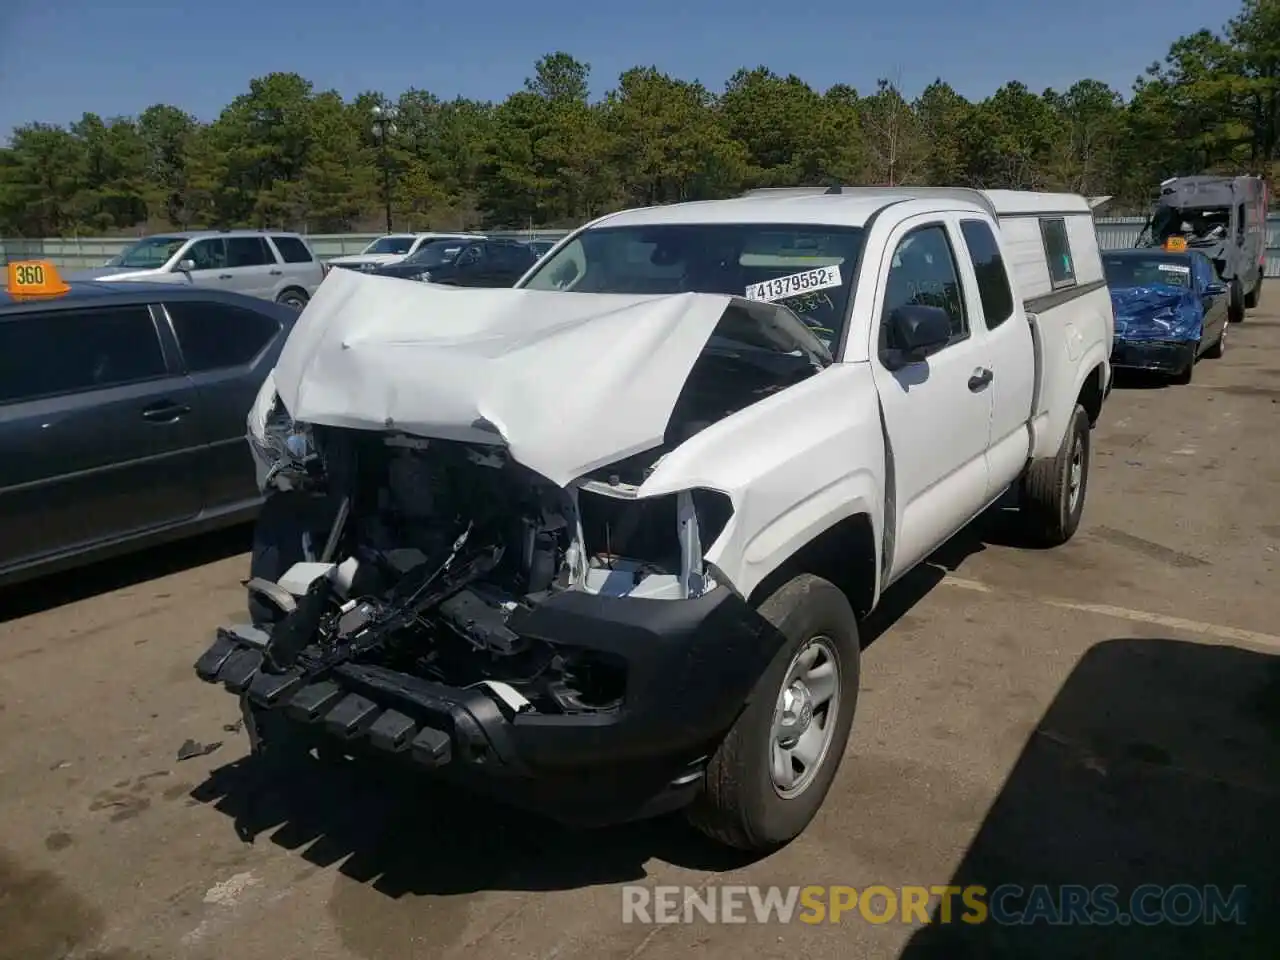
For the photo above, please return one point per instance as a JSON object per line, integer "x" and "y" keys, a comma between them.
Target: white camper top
{"x": 851, "y": 206}
{"x": 1000, "y": 203}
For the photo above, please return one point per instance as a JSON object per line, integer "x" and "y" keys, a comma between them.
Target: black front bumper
{"x": 690, "y": 667}
{"x": 1157, "y": 356}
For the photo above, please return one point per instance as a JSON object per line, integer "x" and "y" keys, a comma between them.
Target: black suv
{"x": 465, "y": 263}
{"x": 122, "y": 417}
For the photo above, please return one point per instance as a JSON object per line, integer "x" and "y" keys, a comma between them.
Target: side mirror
{"x": 185, "y": 266}
{"x": 914, "y": 332}
{"x": 1214, "y": 289}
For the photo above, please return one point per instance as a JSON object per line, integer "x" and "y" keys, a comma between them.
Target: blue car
{"x": 1171, "y": 308}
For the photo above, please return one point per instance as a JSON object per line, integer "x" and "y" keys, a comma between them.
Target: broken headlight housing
{"x": 283, "y": 449}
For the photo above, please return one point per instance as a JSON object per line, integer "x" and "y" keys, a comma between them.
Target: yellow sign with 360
{"x": 35, "y": 278}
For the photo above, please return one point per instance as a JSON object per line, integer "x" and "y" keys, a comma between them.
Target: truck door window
{"x": 1057, "y": 252}
{"x": 71, "y": 351}
{"x": 923, "y": 271}
{"x": 993, "y": 280}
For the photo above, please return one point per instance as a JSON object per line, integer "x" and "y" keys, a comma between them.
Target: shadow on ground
{"x": 55, "y": 590}
{"x": 1126, "y": 379}
{"x": 405, "y": 834}
{"x": 1158, "y": 763}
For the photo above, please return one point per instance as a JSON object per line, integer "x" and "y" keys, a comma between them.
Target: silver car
{"x": 273, "y": 266}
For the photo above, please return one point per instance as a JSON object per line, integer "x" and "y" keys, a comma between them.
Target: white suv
{"x": 273, "y": 266}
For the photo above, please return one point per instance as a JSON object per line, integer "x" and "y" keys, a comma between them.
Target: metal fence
{"x": 81, "y": 253}
{"x": 78, "y": 253}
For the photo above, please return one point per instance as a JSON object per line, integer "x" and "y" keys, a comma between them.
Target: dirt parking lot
{"x": 1104, "y": 713}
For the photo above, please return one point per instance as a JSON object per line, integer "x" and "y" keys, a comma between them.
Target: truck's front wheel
{"x": 1053, "y": 490}
{"x": 772, "y": 772}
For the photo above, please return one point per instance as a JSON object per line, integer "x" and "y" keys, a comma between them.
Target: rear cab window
{"x": 994, "y": 290}
{"x": 808, "y": 268}
{"x": 58, "y": 352}
{"x": 293, "y": 249}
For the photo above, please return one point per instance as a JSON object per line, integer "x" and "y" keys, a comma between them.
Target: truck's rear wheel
{"x": 1235, "y": 305}
{"x": 1053, "y": 490}
{"x": 770, "y": 775}
{"x": 1255, "y": 295}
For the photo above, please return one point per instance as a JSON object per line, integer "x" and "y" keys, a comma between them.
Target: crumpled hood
{"x": 567, "y": 381}
{"x": 1156, "y": 312}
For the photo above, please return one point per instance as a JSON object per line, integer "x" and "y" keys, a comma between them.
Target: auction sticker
{"x": 795, "y": 284}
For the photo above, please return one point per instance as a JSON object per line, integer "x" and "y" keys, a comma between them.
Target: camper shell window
{"x": 1057, "y": 251}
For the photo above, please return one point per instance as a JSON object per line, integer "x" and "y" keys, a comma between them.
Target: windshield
{"x": 808, "y": 268}
{"x": 1198, "y": 226}
{"x": 1131, "y": 271}
{"x": 436, "y": 253}
{"x": 396, "y": 245}
{"x": 148, "y": 253}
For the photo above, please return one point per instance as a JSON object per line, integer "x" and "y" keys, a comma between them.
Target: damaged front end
{"x": 466, "y": 613}
{"x": 458, "y": 562}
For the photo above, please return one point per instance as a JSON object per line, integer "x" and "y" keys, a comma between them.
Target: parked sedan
{"x": 122, "y": 416}
{"x": 1170, "y": 307}
{"x": 479, "y": 263}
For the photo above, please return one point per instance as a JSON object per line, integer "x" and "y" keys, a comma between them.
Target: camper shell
{"x": 1225, "y": 218}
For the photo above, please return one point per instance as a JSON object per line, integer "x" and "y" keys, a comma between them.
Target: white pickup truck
{"x": 601, "y": 543}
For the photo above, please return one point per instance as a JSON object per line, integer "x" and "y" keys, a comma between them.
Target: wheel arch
{"x": 844, "y": 554}
{"x": 1092, "y": 392}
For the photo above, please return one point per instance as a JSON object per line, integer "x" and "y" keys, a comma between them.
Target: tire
{"x": 1219, "y": 346}
{"x": 297, "y": 299}
{"x": 740, "y": 806}
{"x": 1235, "y": 305}
{"x": 1051, "y": 507}
{"x": 1255, "y": 295}
{"x": 1184, "y": 376}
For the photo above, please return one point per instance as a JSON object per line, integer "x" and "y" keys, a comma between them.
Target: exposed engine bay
{"x": 437, "y": 546}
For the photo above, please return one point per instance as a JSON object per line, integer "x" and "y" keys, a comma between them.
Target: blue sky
{"x": 59, "y": 59}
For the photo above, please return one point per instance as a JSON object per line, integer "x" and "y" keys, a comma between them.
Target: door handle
{"x": 981, "y": 377}
{"x": 277, "y": 273}
{"x": 166, "y": 411}
{"x": 224, "y": 276}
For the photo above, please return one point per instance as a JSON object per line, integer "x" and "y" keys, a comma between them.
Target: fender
{"x": 1050, "y": 426}
{"x": 1071, "y": 340}
{"x": 793, "y": 466}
